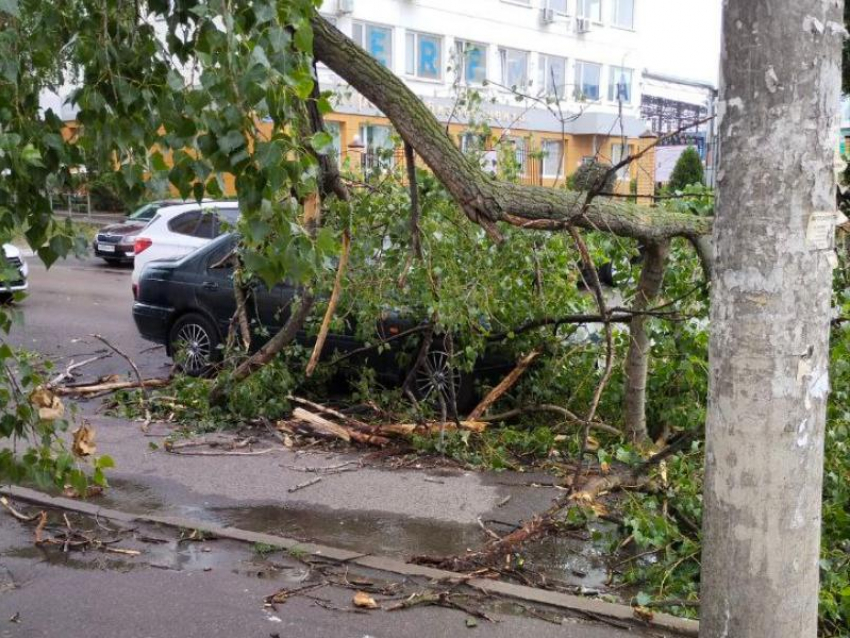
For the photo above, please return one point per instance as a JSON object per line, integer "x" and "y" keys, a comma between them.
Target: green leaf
{"x": 322, "y": 142}
{"x": 471, "y": 623}
{"x": 31, "y": 155}
{"x": 304, "y": 37}
{"x": 158, "y": 162}
{"x": 231, "y": 141}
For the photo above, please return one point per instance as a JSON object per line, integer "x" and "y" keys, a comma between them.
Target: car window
{"x": 229, "y": 215}
{"x": 144, "y": 213}
{"x": 207, "y": 225}
{"x": 147, "y": 214}
{"x": 213, "y": 259}
{"x": 204, "y": 224}
{"x": 186, "y": 223}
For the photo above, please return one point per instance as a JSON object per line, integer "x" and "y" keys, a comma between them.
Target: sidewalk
{"x": 217, "y": 589}
{"x": 371, "y": 518}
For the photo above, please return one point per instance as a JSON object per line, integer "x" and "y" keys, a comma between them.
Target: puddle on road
{"x": 367, "y": 532}
{"x": 85, "y": 561}
{"x": 170, "y": 555}
{"x": 568, "y": 560}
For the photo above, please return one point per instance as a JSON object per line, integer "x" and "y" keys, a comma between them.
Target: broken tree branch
{"x": 415, "y": 234}
{"x": 68, "y": 373}
{"x": 557, "y": 409}
{"x": 241, "y": 309}
{"x": 327, "y": 428}
{"x": 111, "y": 386}
{"x": 332, "y": 304}
{"x": 127, "y": 359}
{"x": 506, "y": 384}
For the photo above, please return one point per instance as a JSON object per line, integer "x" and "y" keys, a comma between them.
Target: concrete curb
{"x": 523, "y": 593}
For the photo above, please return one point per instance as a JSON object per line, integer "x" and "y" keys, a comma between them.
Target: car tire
{"x": 432, "y": 377}
{"x": 193, "y": 342}
{"x": 6, "y": 298}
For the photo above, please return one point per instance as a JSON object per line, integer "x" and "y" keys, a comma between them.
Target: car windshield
{"x": 145, "y": 213}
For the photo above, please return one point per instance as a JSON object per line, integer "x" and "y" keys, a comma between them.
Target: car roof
{"x": 176, "y": 209}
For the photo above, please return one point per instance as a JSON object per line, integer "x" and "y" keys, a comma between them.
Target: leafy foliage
{"x": 688, "y": 170}
{"x": 216, "y": 87}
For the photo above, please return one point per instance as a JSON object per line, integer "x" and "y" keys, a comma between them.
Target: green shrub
{"x": 688, "y": 170}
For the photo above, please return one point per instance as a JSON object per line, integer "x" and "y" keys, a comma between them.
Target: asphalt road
{"x": 74, "y": 299}
{"x": 370, "y": 509}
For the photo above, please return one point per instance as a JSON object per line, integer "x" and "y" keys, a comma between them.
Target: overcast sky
{"x": 683, "y": 38}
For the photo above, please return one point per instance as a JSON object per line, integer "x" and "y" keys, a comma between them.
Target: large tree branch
{"x": 486, "y": 200}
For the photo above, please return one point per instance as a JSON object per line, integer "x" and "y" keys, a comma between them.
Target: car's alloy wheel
{"x": 435, "y": 378}
{"x": 193, "y": 345}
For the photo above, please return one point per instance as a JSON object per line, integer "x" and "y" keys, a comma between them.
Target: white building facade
{"x": 561, "y": 78}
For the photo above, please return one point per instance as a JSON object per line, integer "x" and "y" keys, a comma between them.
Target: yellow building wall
{"x": 576, "y": 148}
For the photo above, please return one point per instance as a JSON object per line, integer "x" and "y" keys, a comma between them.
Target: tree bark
{"x": 483, "y": 199}
{"x": 637, "y": 359}
{"x": 770, "y": 312}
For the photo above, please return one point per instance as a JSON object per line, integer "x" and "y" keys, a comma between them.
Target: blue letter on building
{"x": 377, "y": 40}
{"x": 473, "y": 65}
{"x": 428, "y": 59}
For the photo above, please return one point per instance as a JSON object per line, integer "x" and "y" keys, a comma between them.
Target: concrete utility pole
{"x": 770, "y": 311}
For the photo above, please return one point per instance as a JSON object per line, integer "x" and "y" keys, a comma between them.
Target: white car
{"x": 178, "y": 230}
{"x": 15, "y": 263}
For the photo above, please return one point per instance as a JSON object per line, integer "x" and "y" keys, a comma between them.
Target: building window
{"x": 558, "y": 6}
{"x": 552, "y": 75}
{"x": 623, "y": 14}
{"x": 618, "y": 153}
{"x": 379, "y": 146}
{"x": 590, "y": 10}
{"x": 514, "y": 68}
{"x": 377, "y": 40}
{"x": 474, "y": 62}
{"x": 473, "y": 143}
{"x": 424, "y": 56}
{"x": 620, "y": 85}
{"x": 553, "y": 158}
{"x": 519, "y": 155}
{"x": 588, "y": 77}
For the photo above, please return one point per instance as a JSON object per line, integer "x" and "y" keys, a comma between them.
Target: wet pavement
{"x": 374, "y": 510}
{"x": 181, "y": 585}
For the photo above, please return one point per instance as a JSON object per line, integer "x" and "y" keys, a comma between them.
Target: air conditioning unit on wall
{"x": 344, "y": 6}
{"x": 582, "y": 25}
{"x": 547, "y": 15}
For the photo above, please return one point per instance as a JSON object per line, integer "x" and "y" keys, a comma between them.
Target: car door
{"x": 216, "y": 296}
{"x": 214, "y": 287}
